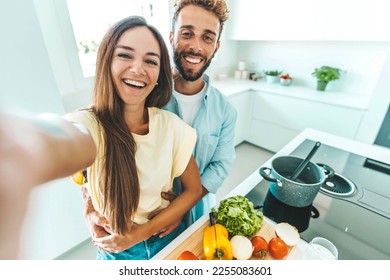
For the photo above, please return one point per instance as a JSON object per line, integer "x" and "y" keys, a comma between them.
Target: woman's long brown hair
{"x": 119, "y": 178}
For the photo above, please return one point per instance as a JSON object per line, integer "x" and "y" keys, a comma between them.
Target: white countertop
{"x": 372, "y": 151}
{"x": 230, "y": 86}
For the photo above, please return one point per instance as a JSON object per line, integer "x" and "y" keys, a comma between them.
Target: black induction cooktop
{"x": 358, "y": 222}
{"x": 370, "y": 177}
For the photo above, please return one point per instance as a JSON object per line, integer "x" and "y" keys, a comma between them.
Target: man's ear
{"x": 171, "y": 38}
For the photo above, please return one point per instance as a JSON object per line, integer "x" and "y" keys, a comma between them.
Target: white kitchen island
{"x": 371, "y": 151}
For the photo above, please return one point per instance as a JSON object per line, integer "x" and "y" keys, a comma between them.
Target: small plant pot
{"x": 272, "y": 79}
{"x": 321, "y": 85}
{"x": 285, "y": 82}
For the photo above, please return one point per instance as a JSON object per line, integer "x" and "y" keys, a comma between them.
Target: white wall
{"x": 25, "y": 72}
{"x": 57, "y": 31}
{"x": 378, "y": 106}
{"x": 225, "y": 60}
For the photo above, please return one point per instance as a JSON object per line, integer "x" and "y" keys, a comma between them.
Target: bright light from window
{"x": 91, "y": 18}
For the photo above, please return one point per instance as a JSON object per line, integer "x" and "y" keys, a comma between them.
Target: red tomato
{"x": 277, "y": 248}
{"x": 187, "y": 255}
{"x": 260, "y": 246}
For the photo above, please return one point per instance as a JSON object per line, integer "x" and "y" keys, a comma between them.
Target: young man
{"x": 195, "y": 38}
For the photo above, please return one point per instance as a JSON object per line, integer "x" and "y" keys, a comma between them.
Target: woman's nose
{"x": 137, "y": 67}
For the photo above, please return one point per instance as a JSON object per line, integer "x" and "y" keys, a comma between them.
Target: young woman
{"x": 140, "y": 147}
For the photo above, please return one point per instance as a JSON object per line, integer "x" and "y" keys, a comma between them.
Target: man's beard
{"x": 189, "y": 75}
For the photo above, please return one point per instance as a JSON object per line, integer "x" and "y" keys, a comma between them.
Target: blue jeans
{"x": 144, "y": 250}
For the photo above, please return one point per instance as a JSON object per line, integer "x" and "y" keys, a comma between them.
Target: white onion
{"x": 288, "y": 233}
{"x": 241, "y": 247}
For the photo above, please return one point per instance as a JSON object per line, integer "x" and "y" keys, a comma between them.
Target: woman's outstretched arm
{"x": 35, "y": 149}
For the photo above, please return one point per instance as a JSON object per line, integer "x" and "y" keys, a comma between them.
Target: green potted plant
{"x": 324, "y": 75}
{"x": 272, "y": 75}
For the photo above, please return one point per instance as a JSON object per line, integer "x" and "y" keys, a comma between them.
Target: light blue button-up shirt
{"x": 214, "y": 150}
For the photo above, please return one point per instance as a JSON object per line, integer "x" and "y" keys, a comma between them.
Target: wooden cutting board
{"x": 194, "y": 243}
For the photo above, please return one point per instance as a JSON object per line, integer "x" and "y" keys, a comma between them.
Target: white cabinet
{"x": 276, "y": 119}
{"x": 270, "y": 116}
{"x": 269, "y": 136}
{"x": 241, "y": 101}
{"x": 309, "y": 20}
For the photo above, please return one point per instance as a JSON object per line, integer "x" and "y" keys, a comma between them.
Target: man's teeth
{"x": 193, "y": 60}
{"x": 135, "y": 83}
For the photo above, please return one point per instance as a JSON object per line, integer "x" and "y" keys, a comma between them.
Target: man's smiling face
{"x": 194, "y": 41}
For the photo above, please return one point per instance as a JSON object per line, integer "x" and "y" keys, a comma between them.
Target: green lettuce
{"x": 239, "y": 217}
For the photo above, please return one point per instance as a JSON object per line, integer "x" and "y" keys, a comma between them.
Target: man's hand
{"x": 170, "y": 196}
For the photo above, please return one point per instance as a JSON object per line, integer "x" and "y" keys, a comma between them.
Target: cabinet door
{"x": 241, "y": 102}
{"x": 309, "y": 20}
{"x": 270, "y": 136}
{"x": 299, "y": 114}
{"x": 280, "y": 118}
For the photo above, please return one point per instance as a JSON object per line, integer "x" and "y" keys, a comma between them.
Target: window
{"x": 73, "y": 29}
{"x": 91, "y": 18}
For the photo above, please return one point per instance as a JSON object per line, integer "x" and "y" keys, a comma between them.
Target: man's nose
{"x": 196, "y": 44}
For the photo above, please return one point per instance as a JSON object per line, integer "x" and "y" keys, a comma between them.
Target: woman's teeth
{"x": 135, "y": 83}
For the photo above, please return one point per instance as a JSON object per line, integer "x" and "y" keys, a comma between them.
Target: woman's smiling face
{"x": 135, "y": 65}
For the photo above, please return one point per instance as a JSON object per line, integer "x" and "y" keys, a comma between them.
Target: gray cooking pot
{"x": 302, "y": 191}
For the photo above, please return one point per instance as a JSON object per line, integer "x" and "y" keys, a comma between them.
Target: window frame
{"x": 57, "y": 30}
{"x": 72, "y": 54}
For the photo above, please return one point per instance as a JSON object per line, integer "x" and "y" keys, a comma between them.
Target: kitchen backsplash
{"x": 362, "y": 62}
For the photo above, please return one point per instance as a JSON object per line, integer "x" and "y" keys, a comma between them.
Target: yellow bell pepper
{"x": 216, "y": 244}
{"x": 79, "y": 178}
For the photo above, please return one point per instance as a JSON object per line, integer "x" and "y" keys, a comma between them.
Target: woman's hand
{"x": 97, "y": 224}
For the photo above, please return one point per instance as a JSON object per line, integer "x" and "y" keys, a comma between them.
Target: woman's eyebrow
{"x": 125, "y": 47}
{"x": 131, "y": 49}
